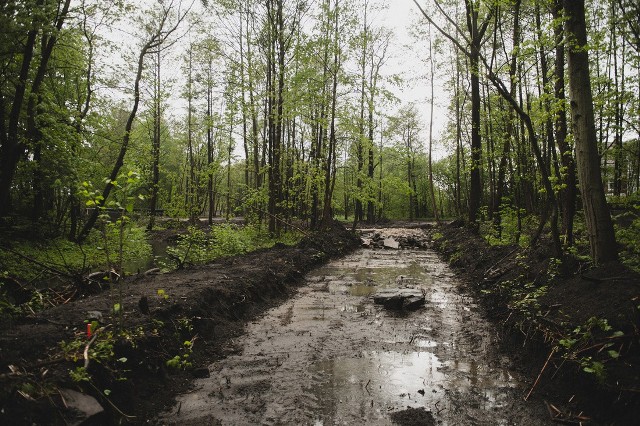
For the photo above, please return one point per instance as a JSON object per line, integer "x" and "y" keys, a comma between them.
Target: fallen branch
{"x": 499, "y": 262}
{"x": 600, "y": 280}
{"x": 558, "y": 416}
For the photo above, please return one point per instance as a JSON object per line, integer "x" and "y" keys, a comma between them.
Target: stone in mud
{"x": 413, "y": 416}
{"x": 399, "y": 298}
{"x": 391, "y": 243}
{"x": 82, "y": 407}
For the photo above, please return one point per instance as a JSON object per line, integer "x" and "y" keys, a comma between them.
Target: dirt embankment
{"x": 574, "y": 328}
{"x": 188, "y": 316}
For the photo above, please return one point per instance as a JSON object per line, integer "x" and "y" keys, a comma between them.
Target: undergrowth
{"x": 33, "y": 261}
{"x": 198, "y": 246}
{"x": 516, "y": 286}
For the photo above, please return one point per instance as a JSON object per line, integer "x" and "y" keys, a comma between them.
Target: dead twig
{"x": 540, "y": 374}
{"x": 111, "y": 403}
{"x": 86, "y": 350}
{"x": 90, "y": 342}
{"x": 567, "y": 418}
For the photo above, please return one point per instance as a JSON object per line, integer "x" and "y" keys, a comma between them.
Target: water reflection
{"x": 374, "y": 384}
{"x": 382, "y": 381}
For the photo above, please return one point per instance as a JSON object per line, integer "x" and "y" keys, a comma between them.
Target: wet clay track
{"x": 330, "y": 356}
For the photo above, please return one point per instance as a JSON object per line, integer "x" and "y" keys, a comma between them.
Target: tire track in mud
{"x": 330, "y": 356}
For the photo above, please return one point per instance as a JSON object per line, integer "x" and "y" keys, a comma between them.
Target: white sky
{"x": 409, "y": 60}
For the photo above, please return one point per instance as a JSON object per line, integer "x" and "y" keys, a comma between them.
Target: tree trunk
{"x": 155, "y": 40}
{"x": 11, "y": 148}
{"x": 475, "y": 192}
{"x": 93, "y": 217}
{"x": 598, "y": 219}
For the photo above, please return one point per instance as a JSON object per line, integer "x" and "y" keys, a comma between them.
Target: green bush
{"x": 628, "y": 237}
{"x": 508, "y": 233}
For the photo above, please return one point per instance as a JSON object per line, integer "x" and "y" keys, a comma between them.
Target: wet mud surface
{"x": 329, "y": 355}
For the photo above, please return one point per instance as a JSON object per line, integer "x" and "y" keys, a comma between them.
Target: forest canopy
{"x": 286, "y": 113}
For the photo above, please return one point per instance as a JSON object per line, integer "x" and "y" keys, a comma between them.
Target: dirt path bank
{"x": 574, "y": 328}
{"x": 205, "y": 306}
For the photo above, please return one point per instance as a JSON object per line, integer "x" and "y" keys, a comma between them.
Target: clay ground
{"x": 214, "y": 304}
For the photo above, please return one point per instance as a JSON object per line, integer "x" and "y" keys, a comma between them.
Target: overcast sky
{"x": 409, "y": 61}
{"x": 407, "y": 58}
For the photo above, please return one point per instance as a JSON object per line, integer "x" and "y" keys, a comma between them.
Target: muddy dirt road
{"x": 330, "y": 356}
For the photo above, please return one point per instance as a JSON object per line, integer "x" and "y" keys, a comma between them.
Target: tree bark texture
{"x": 598, "y": 219}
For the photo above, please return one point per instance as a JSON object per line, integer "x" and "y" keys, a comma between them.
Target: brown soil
{"x": 576, "y": 293}
{"x": 208, "y": 305}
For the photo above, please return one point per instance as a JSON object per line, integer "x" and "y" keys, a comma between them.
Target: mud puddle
{"x": 330, "y": 356}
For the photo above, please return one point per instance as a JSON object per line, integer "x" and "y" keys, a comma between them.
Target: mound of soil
{"x": 554, "y": 323}
{"x": 413, "y": 417}
{"x": 189, "y": 316}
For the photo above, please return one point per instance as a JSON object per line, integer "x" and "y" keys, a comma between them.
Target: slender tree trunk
{"x": 475, "y": 192}
{"x": 11, "y": 147}
{"x": 330, "y": 165}
{"x": 252, "y": 106}
{"x": 243, "y": 78}
{"x": 210, "y": 187}
{"x": 193, "y": 187}
{"x": 155, "y": 149}
{"x": 510, "y": 130}
{"x": 229, "y": 155}
{"x": 380, "y": 203}
{"x": 93, "y": 217}
{"x": 431, "y": 84}
{"x": 568, "y": 192}
{"x": 359, "y": 214}
{"x": 459, "y": 148}
{"x": 618, "y": 81}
